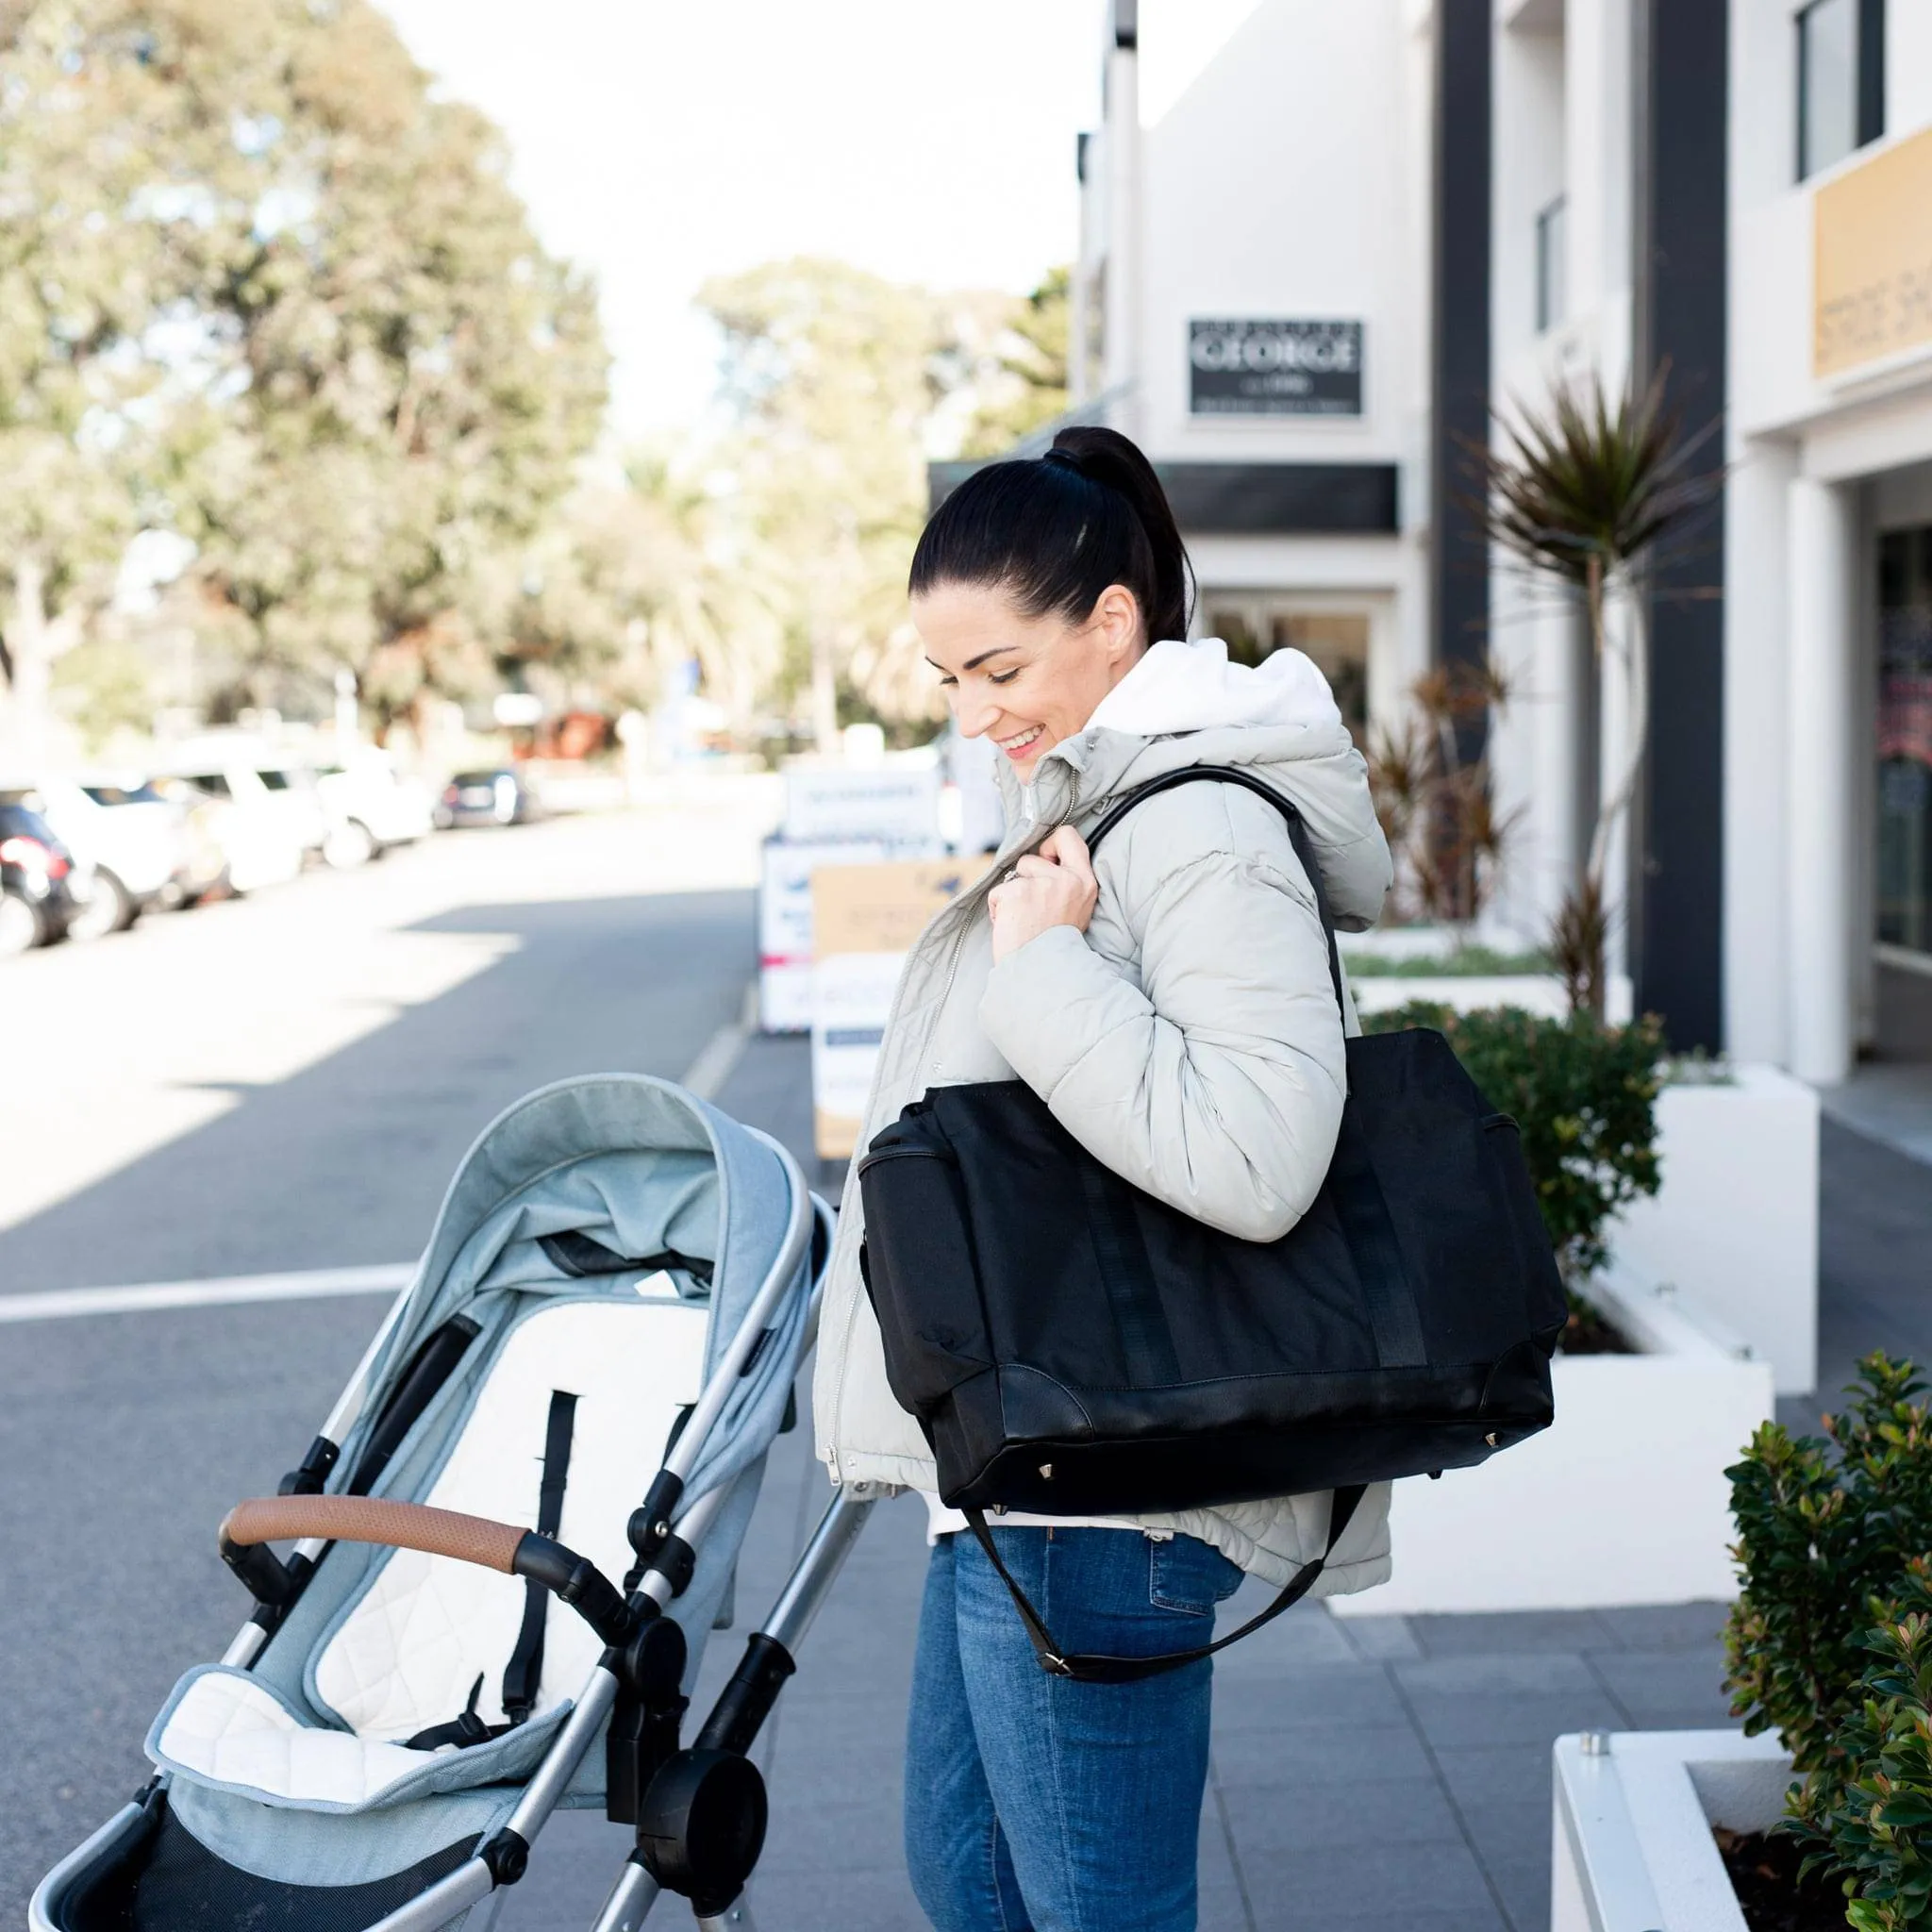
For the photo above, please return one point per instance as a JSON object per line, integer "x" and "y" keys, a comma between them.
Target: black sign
{"x": 1275, "y": 368}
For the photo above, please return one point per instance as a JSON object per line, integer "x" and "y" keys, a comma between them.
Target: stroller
{"x": 580, "y": 1386}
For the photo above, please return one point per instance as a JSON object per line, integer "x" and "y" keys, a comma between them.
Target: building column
{"x": 1822, "y": 534}
{"x": 1122, "y": 299}
{"x": 1459, "y": 334}
{"x": 1681, "y": 262}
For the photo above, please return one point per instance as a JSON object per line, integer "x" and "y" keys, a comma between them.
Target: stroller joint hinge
{"x": 650, "y": 1522}
{"x": 508, "y": 1854}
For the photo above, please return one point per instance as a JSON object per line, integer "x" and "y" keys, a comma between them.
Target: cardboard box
{"x": 785, "y": 945}
{"x": 864, "y": 919}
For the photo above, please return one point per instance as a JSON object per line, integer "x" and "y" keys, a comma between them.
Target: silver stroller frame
{"x": 699, "y": 1811}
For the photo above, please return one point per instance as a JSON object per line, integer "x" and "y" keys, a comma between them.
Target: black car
{"x": 498, "y": 798}
{"x": 37, "y": 898}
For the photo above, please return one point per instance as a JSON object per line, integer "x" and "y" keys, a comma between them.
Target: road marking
{"x": 313, "y": 1284}
{"x": 705, "y": 1077}
{"x": 707, "y": 1074}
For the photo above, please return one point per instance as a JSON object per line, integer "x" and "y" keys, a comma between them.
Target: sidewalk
{"x": 1381, "y": 1775}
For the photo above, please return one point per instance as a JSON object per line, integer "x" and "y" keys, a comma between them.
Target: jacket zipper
{"x": 850, "y": 1312}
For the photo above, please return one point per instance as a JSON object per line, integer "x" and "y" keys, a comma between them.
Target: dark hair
{"x": 1055, "y": 532}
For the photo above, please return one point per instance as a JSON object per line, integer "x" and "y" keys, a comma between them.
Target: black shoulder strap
{"x": 1297, "y": 832}
{"x": 523, "y": 1674}
{"x": 1130, "y": 1669}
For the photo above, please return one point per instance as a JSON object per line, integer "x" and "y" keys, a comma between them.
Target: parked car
{"x": 38, "y": 882}
{"x": 292, "y": 790}
{"x": 370, "y": 807}
{"x": 497, "y": 797}
{"x": 126, "y": 837}
{"x": 260, "y": 836}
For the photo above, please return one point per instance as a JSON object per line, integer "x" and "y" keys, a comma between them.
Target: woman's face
{"x": 1025, "y": 682}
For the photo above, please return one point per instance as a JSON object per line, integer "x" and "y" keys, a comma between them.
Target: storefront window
{"x": 1905, "y": 739}
{"x": 1338, "y": 640}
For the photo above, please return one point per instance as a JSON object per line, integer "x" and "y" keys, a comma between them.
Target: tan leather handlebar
{"x": 375, "y": 1520}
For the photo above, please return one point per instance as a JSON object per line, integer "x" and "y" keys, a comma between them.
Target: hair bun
{"x": 1066, "y": 459}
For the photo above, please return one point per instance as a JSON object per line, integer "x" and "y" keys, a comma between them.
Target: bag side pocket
{"x": 918, "y": 1268}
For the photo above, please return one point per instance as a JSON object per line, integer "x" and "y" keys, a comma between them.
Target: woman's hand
{"x": 1054, "y": 886}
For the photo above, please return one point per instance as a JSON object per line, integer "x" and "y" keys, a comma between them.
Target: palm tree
{"x": 1591, "y": 491}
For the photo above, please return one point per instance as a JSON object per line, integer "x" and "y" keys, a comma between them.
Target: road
{"x": 281, "y": 1084}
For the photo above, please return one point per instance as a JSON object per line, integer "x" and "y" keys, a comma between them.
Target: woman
{"x": 1171, "y": 1004}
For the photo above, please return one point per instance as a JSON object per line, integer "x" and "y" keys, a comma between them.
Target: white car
{"x": 263, "y": 837}
{"x": 124, "y": 833}
{"x": 370, "y": 807}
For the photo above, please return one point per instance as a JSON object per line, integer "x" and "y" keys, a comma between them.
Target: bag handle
{"x": 1297, "y": 833}
{"x": 1095, "y": 1669}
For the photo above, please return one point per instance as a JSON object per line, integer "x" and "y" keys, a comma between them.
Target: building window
{"x": 1338, "y": 640}
{"x": 1552, "y": 264}
{"x": 1905, "y": 739}
{"x": 1840, "y": 81}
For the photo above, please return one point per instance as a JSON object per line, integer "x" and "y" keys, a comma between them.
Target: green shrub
{"x": 1583, "y": 1096}
{"x": 1869, "y": 1824}
{"x": 1827, "y": 1528}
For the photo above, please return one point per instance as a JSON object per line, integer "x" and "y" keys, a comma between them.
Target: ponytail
{"x": 1056, "y": 532}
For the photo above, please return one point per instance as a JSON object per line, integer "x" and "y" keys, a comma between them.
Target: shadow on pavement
{"x": 345, "y": 1161}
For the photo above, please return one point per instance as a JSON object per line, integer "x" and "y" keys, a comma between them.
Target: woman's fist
{"x": 1054, "y": 886}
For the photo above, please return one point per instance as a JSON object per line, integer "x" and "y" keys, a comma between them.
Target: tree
{"x": 420, "y": 379}
{"x": 1026, "y": 387}
{"x": 117, "y": 189}
{"x": 831, "y": 375}
{"x": 1586, "y": 491}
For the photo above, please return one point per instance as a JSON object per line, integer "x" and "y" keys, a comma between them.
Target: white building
{"x": 1744, "y": 187}
{"x": 1250, "y": 304}
{"x": 1321, "y": 244}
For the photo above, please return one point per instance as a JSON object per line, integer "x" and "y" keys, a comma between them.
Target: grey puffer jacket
{"x": 1189, "y": 1039}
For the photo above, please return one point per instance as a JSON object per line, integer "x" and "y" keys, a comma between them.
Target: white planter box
{"x": 1622, "y": 1501}
{"x": 1735, "y": 1225}
{"x": 1632, "y": 1813}
{"x": 1535, "y": 992}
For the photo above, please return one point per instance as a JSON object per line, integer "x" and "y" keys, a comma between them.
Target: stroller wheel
{"x": 704, "y": 1826}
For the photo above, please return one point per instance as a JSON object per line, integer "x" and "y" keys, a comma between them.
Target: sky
{"x": 657, "y": 142}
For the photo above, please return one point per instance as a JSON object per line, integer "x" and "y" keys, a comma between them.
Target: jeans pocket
{"x": 1190, "y": 1577}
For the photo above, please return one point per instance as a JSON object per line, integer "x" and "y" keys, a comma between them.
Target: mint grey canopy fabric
{"x": 567, "y": 1158}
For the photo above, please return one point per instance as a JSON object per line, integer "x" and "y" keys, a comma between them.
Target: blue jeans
{"x": 1034, "y": 1804}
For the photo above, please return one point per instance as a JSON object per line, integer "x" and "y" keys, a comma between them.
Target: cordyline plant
{"x": 1437, "y": 809}
{"x": 1589, "y": 490}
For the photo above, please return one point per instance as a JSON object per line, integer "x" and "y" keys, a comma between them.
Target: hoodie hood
{"x": 1190, "y": 686}
{"x": 1184, "y": 704}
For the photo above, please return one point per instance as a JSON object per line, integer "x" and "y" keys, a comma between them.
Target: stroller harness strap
{"x": 523, "y": 1674}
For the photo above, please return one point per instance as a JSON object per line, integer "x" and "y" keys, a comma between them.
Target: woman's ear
{"x": 1117, "y": 619}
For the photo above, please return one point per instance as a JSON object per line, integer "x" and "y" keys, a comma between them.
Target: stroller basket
{"x": 511, "y": 1541}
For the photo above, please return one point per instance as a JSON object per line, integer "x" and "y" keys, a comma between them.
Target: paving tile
{"x": 1506, "y": 1832}
{"x": 1654, "y": 1685}
{"x": 1291, "y": 1697}
{"x": 845, "y": 1830}
{"x": 1304, "y": 1636}
{"x": 819, "y": 1901}
{"x": 1283, "y": 1915}
{"x": 1330, "y": 1749}
{"x": 1380, "y": 1639}
{"x": 1304, "y": 1887}
{"x": 1490, "y": 1674}
{"x": 1525, "y": 1887}
{"x": 1462, "y": 1720}
{"x": 1498, "y": 1774}
{"x": 1508, "y": 1635}
{"x": 1667, "y": 1626}
{"x": 1352, "y": 1812}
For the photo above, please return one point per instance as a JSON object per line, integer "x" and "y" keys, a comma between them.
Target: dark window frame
{"x": 1868, "y": 81}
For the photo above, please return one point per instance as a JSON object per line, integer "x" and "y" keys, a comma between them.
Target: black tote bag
{"x": 1073, "y": 1346}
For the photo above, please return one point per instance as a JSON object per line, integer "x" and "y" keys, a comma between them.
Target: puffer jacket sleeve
{"x": 1217, "y": 1083}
